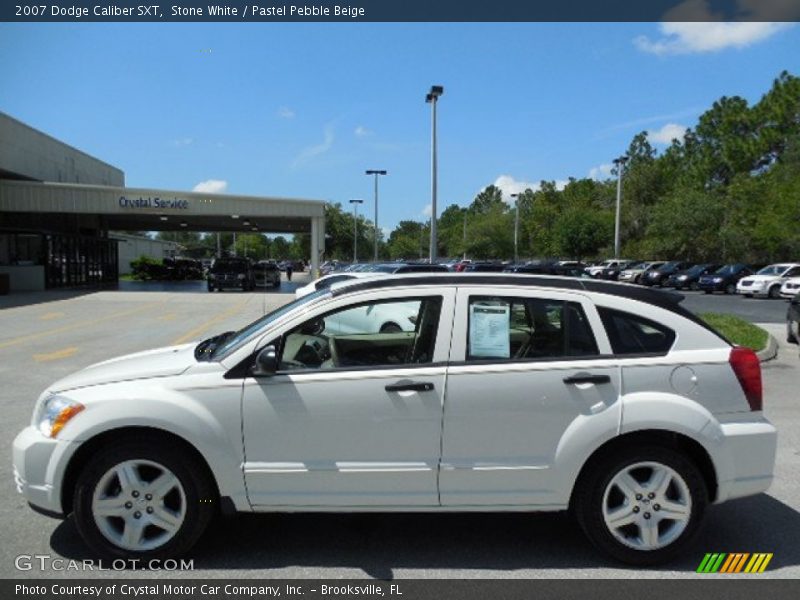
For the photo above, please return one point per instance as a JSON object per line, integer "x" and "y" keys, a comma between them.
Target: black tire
{"x": 590, "y": 491}
{"x": 774, "y": 292}
{"x": 730, "y": 289}
{"x": 211, "y": 288}
{"x": 199, "y": 492}
{"x": 694, "y": 286}
{"x": 707, "y": 292}
{"x": 391, "y": 328}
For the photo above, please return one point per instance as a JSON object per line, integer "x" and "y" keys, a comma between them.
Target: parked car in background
{"x": 724, "y": 279}
{"x": 329, "y": 266}
{"x": 793, "y": 320}
{"x": 399, "y": 268}
{"x": 596, "y": 269}
{"x": 461, "y": 265}
{"x": 767, "y": 282}
{"x": 611, "y": 273}
{"x": 634, "y": 272}
{"x": 495, "y": 394}
{"x": 484, "y": 267}
{"x": 266, "y": 274}
{"x": 690, "y": 278}
{"x": 790, "y": 288}
{"x": 659, "y": 276}
{"x": 232, "y": 272}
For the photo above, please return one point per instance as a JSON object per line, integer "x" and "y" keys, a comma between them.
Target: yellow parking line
{"x": 194, "y": 333}
{"x": 58, "y": 354}
{"x": 50, "y": 316}
{"x": 78, "y": 325}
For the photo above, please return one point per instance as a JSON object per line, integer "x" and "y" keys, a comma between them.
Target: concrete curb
{"x": 771, "y": 350}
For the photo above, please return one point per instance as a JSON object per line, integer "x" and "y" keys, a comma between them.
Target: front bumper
{"x": 39, "y": 466}
{"x": 754, "y": 289}
{"x": 746, "y": 459}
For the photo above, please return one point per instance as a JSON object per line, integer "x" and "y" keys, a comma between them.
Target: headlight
{"x": 717, "y": 279}
{"x": 54, "y": 413}
{"x": 681, "y": 277}
{"x": 241, "y": 276}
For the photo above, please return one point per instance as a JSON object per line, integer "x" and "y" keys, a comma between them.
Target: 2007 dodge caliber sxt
{"x": 511, "y": 393}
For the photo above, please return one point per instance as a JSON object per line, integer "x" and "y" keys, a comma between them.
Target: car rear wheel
{"x": 694, "y": 286}
{"x": 390, "y": 328}
{"x": 730, "y": 289}
{"x": 142, "y": 501}
{"x": 641, "y": 506}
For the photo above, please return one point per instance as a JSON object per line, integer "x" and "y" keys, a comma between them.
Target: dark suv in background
{"x": 689, "y": 278}
{"x": 227, "y": 273}
{"x": 725, "y": 278}
{"x": 660, "y": 275}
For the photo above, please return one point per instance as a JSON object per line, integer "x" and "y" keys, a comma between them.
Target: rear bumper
{"x": 746, "y": 459}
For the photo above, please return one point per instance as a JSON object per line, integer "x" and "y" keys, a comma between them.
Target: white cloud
{"x": 386, "y": 231}
{"x": 211, "y": 186}
{"x": 285, "y": 112}
{"x": 508, "y": 185}
{"x": 702, "y": 37}
{"x": 362, "y": 131}
{"x": 665, "y": 135}
{"x": 427, "y": 211}
{"x": 187, "y": 141}
{"x": 317, "y": 149}
{"x": 601, "y": 172}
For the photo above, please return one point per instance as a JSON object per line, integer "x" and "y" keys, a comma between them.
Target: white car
{"x": 512, "y": 393}
{"x": 595, "y": 270}
{"x": 790, "y": 288}
{"x": 768, "y": 281}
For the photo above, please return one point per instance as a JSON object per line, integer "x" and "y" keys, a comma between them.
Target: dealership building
{"x": 58, "y": 205}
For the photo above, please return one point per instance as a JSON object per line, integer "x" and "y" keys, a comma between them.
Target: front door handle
{"x": 587, "y": 379}
{"x": 410, "y": 386}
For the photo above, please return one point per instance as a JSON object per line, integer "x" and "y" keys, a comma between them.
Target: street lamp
{"x": 516, "y": 227}
{"x": 355, "y": 204}
{"x": 432, "y": 98}
{"x": 620, "y": 164}
{"x": 376, "y": 173}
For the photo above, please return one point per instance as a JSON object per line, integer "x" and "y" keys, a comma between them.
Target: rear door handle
{"x": 410, "y": 386}
{"x": 587, "y": 379}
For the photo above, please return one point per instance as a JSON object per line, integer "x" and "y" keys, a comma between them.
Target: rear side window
{"x": 632, "y": 334}
{"x": 502, "y": 328}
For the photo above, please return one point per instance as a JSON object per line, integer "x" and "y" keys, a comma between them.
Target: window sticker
{"x": 489, "y": 331}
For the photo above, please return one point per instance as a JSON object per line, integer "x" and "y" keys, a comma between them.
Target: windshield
{"x": 235, "y": 339}
{"x": 727, "y": 269}
{"x": 773, "y": 270}
{"x": 697, "y": 269}
{"x": 230, "y": 265}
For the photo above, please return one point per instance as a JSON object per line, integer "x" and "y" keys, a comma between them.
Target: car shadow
{"x": 380, "y": 543}
{"x": 17, "y": 299}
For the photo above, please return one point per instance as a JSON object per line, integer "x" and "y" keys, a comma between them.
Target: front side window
{"x": 385, "y": 334}
{"x": 502, "y": 328}
{"x": 632, "y": 334}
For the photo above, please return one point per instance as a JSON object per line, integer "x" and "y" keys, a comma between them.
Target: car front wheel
{"x": 774, "y": 292}
{"x": 142, "y": 501}
{"x": 641, "y": 506}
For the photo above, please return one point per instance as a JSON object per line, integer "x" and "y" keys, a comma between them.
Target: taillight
{"x": 747, "y": 367}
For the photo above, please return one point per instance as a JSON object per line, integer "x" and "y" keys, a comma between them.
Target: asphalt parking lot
{"x": 44, "y": 337}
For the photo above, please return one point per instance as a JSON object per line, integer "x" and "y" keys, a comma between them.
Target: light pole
{"x": 376, "y": 173}
{"x": 355, "y": 204}
{"x": 431, "y": 98}
{"x": 516, "y": 227}
{"x": 620, "y": 163}
{"x": 464, "y": 238}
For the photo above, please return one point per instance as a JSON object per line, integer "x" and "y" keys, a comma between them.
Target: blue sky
{"x": 301, "y": 110}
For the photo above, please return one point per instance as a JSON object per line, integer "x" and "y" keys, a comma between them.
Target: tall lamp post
{"x": 516, "y": 227}
{"x": 376, "y": 173}
{"x": 431, "y": 98}
{"x": 620, "y": 164}
{"x": 355, "y": 204}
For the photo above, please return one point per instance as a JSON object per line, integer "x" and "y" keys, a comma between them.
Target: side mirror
{"x": 266, "y": 362}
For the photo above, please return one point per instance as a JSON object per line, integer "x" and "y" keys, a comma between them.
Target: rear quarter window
{"x": 633, "y": 334}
